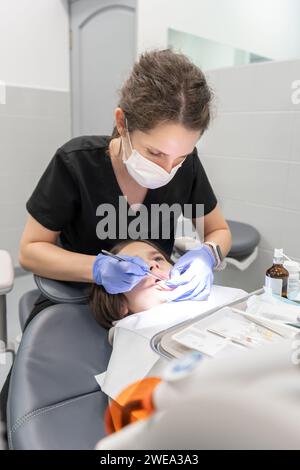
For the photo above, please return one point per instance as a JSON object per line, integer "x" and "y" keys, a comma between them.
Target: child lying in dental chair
{"x": 130, "y": 329}
{"x": 149, "y": 292}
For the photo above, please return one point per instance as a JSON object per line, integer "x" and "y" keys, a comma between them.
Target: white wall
{"x": 252, "y": 150}
{"x": 35, "y": 119}
{"x": 34, "y": 50}
{"x": 266, "y": 27}
{"x": 251, "y": 153}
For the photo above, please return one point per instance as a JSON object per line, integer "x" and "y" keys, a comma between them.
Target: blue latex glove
{"x": 118, "y": 276}
{"x": 192, "y": 275}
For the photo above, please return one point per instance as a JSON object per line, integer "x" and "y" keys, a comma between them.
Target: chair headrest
{"x": 63, "y": 291}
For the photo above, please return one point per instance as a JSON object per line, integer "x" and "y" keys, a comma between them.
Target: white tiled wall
{"x": 252, "y": 156}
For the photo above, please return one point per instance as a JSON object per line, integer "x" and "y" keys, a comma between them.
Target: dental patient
{"x": 148, "y": 293}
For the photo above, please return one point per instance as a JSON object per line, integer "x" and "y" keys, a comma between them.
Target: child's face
{"x": 149, "y": 292}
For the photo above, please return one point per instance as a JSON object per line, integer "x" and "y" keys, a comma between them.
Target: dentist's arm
{"x": 39, "y": 254}
{"x": 216, "y": 229}
{"x": 192, "y": 275}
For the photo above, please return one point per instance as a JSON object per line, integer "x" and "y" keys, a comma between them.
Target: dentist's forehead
{"x": 170, "y": 139}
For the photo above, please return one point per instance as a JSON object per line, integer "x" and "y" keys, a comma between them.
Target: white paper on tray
{"x": 132, "y": 358}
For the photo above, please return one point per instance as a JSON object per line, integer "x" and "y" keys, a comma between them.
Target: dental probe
{"x": 123, "y": 259}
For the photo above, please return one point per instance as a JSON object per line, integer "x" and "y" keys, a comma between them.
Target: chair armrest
{"x": 63, "y": 291}
{"x": 6, "y": 272}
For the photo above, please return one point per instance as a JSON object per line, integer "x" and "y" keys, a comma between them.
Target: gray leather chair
{"x": 245, "y": 241}
{"x": 245, "y": 238}
{"x": 54, "y": 401}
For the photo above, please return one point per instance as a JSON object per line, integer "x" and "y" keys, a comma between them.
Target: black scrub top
{"x": 80, "y": 177}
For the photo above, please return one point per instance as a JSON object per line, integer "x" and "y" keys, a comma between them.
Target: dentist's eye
{"x": 153, "y": 154}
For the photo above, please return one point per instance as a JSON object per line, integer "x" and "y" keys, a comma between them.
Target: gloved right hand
{"x": 118, "y": 276}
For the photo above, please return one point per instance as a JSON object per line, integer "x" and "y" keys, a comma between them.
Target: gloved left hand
{"x": 192, "y": 275}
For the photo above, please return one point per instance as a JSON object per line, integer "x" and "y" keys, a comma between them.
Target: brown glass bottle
{"x": 277, "y": 276}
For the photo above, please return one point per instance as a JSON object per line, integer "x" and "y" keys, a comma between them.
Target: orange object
{"x": 133, "y": 404}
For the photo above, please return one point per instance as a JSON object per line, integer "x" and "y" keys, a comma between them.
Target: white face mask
{"x": 146, "y": 173}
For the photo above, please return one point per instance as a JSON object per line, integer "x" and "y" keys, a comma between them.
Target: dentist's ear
{"x": 120, "y": 121}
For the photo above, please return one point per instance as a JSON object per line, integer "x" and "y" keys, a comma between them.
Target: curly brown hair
{"x": 107, "y": 307}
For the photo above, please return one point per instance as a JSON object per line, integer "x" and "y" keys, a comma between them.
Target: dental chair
{"x": 244, "y": 248}
{"x": 241, "y": 265}
{"x": 54, "y": 400}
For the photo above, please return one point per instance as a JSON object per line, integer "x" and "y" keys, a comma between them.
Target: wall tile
{"x": 256, "y": 181}
{"x": 33, "y": 124}
{"x": 290, "y": 234}
{"x": 295, "y": 150}
{"x": 28, "y": 143}
{"x": 24, "y": 101}
{"x": 257, "y": 87}
{"x": 250, "y": 135}
{"x": 12, "y": 215}
{"x": 292, "y": 196}
{"x": 251, "y": 279}
{"x": 269, "y": 221}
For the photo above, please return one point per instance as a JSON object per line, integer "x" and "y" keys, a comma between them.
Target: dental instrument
{"x": 233, "y": 339}
{"x": 264, "y": 322}
{"x": 123, "y": 259}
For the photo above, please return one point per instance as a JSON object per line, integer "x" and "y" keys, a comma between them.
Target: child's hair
{"x": 107, "y": 307}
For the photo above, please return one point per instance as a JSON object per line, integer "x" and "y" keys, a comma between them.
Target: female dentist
{"x": 151, "y": 158}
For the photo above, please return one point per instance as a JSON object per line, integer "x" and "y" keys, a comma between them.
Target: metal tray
{"x": 163, "y": 344}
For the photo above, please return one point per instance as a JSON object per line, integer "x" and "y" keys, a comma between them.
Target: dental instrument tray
{"x": 220, "y": 331}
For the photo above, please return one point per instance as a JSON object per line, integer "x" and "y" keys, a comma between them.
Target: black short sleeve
{"x": 202, "y": 192}
{"x": 55, "y": 199}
